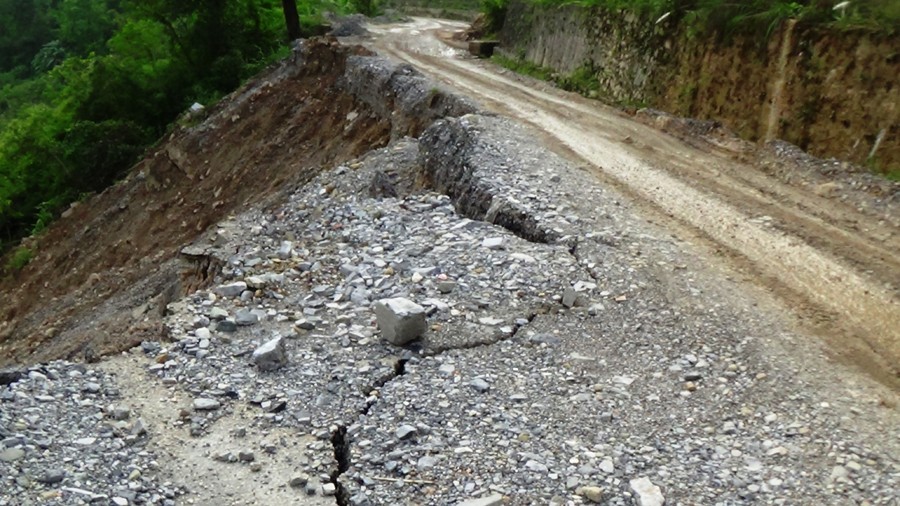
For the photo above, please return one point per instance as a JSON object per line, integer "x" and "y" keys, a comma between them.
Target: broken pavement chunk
{"x": 400, "y": 320}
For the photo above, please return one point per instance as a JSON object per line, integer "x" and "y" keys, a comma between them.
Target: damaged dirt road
{"x": 574, "y": 352}
{"x": 835, "y": 261}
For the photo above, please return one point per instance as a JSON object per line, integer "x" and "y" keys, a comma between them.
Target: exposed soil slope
{"x": 104, "y": 274}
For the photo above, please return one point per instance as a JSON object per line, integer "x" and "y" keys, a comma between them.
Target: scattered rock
{"x": 648, "y": 494}
{"x": 271, "y": 355}
{"x": 400, "y": 320}
{"x": 231, "y": 289}
{"x": 591, "y": 493}
{"x": 206, "y": 404}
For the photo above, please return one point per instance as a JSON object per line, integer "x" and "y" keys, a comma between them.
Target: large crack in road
{"x": 822, "y": 257}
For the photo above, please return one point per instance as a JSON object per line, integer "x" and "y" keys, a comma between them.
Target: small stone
{"x": 426, "y": 462}
{"x": 228, "y": 457}
{"x": 246, "y": 456}
{"x": 446, "y": 286}
{"x": 536, "y": 466}
{"x": 648, "y": 494}
{"x": 593, "y": 494}
{"x": 232, "y": 289}
{"x": 120, "y": 413}
{"x": 286, "y": 250}
{"x": 311, "y": 488}
{"x": 570, "y": 296}
{"x": 52, "y": 476}
{"x": 218, "y": 313}
{"x": 202, "y": 333}
{"x": 492, "y": 243}
{"x": 400, "y": 320}
{"x": 305, "y": 324}
{"x": 245, "y": 317}
{"x": 329, "y": 489}
{"x": 607, "y": 466}
{"x": 479, "y": 384}
{"x": 226, "y": 326}
{"x": 206, "y": 404}
{"x": 299, "y": 481}
{"x": 271, "y": 355}
{"x": 120, "y": 501}
{"x": 11, "y": 454}
{"x": 405, "y": 432}
{"x": 490, "y": 500}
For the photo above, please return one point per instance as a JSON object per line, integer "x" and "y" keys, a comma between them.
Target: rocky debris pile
{"x": 623, "y": 393}
{"x": 401, "y": 93}
{"x": 67, "y": 437}
{"x": 584, "y": 367}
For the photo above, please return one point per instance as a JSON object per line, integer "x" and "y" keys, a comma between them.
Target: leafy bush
{"x": 494, "y": 15}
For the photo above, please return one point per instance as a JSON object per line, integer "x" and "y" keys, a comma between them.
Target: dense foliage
{"x": 759, "y": 16}
{"x": 87, "y": 85}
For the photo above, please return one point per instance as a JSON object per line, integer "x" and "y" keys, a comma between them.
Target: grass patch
{"x": 522, "y": 66}
{"x": 19, "y": 259}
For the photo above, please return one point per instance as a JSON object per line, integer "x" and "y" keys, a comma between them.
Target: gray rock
{"x": 52, "y": 476}
{"x": 490, "y": 500}
{"x": 286, "y": 250}
{"x": 206, "y": 404}
{"x": 446, "y": 286}
{"x": 11, "y": 454}
{"x": 405, "y": 432}
{"x": 480, "y": 384}
{"x": 218, "y": 313}
{"x": 245, "y": 317}
{"x": 400, "y": 320}
{"x": 329, "y": 489}
{"x": 271, "y": 355}
{"x": 426, "y": 462}
{"x": 492, "y": 243}
{"x": 592, "y": 494}
{"x": 299, "y": 481}
{"x": 231, "y": 289}
{"x": 226, "y": 326}
{"x": 570, "y": 297}
{"x": 120, "y": 412}
{"x": 648, "y": 494}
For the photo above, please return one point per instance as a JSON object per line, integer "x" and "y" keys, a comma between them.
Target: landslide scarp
{"x": 103, "y": 274}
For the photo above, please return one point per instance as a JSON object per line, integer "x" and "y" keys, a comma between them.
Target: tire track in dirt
{"x": 813, "y": 249}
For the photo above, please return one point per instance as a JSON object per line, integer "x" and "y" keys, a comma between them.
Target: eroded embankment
{"x": 831, "y": 92}
{"x": 104, "y": 273}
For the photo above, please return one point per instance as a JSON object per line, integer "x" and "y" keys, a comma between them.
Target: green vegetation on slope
{"x": 87, "y": 85}
{"x": 759, "y": 16}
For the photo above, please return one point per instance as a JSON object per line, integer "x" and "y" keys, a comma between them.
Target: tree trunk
{"x": 291, "y": 18}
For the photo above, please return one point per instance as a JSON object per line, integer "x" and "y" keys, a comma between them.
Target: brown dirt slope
{"x": 103, "y": 275}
